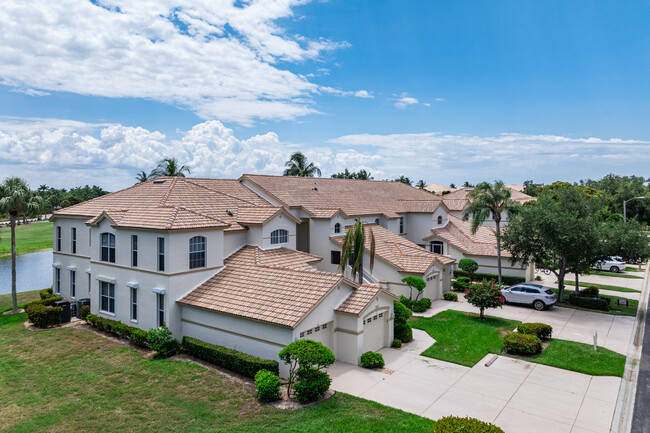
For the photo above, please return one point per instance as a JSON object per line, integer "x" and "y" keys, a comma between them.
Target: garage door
{"x": 322, "y": 334}
{"x": 373, "y": 332}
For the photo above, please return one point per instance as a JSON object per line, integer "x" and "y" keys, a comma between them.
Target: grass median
{"x": 614, "y": 308}
{"x": 602, "y": 287}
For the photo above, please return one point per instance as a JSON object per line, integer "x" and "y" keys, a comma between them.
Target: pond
{"x": 33, "y": 272}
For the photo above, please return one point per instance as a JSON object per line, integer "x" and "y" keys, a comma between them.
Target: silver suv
{"x": 538, "y": 296}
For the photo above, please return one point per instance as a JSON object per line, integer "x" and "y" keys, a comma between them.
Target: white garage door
{"x": 322, "y": 334}
{"x": 373, "y": 332}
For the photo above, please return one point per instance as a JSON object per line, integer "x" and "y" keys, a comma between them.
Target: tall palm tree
{"x": 421, "y": 184}
{"x": 353, "y": 249}
{"x": 16, "y": 199}
{"x": 143, "y": 176}
{"x": 297, "y": 166}
{"x": 170, "y": 167}
{"x": 404, "y": 179}
{"x": 487, "y": 200}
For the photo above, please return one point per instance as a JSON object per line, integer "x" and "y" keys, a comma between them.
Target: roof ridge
{"x": 227, "y": 195}
{"x": 163, "y": 200}
{"x": 172, "y": 217}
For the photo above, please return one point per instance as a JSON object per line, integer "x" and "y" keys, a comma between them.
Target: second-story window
{"x": 161, "y": 254}
{"x": 58, "y": 238}
{"x": 401, "y": 224}
{"x": 279, "y": 236}
{"x": 74, "y": 240}
{"x": 197, "y": 252}
{"x": 134, "y": 251}
{"x": 108, "y": 247}
{"x": 337, "y": 228}
{"x": 439, "y": 220}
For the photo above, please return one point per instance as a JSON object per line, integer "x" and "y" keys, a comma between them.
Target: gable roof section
{"x": 399, "y": 252}
{"x": 459, "y": 234}
{"x": 276, "y": 286}
{"x": 321, "y": 197}
{"x": 361, "y": 297}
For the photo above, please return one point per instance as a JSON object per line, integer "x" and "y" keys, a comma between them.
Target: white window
{"x": 58, "y": 238}
{"x": 74, "y": 240}
{"x": 107, "y": 297}
{"x": 401, "y": 224}
{"x": 160, "y": 309}
{"x": 57, "y": 280}
{"x": 73, "y": 284}
{"x": 108, "y": 247}
{"x": 161, "y": 254}
{"x": 197, "y": 252}
{"x": 279, "y": 236}
{"x": 134, "y": 304}
{"x": 437, "y": 247}
{"x": 134, "y": 251}
{"x": 337, "y": 228}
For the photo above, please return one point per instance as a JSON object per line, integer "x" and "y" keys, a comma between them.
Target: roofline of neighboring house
{"x": 382, "y": 290}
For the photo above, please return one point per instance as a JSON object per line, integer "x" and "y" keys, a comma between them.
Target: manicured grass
{"x": 74, "y": 380}
{"x": 581, "y": 357}
{"x": 616, "y": 274}
{"x": 615, "y": 310}
{"x": 463, "y": 338}
{"x": 30, "y": 237}
{"x": 23, "y": 298}
{"x": 602, "y": 286}
{"x": 633, "y": 269}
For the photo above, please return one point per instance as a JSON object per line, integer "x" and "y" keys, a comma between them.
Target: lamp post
{"x": 625, "y": 208}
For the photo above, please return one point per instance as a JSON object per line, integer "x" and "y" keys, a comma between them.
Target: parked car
{"x": 612, "y": 264}
{"x": 538, "y": 296}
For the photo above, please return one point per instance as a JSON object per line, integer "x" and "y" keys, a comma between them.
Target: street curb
{"x": 622, "y": 422}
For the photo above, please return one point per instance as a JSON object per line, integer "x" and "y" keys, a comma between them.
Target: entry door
{"x": 373, "y": 332}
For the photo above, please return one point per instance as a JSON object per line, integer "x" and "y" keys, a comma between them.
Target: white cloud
{"x": 404, "y": 101}
{"x": 216, "y": 58}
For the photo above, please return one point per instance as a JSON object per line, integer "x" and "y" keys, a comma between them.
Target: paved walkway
{"x": 629, "y": 283}
{"x": 516, "y": 395}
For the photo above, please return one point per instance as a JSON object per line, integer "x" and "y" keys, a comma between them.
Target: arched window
{"x": 197, "y": 252}
{"x": 437, "y": 247}
{"x": 337, "y": 228}
{"x": 108, "y": 247}
{"x": 279, "y": 236}
{"x": 377, "y": 221}
{"x": 439, "y": 220}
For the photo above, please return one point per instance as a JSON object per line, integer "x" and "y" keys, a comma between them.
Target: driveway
{"x": 516, "y": 395}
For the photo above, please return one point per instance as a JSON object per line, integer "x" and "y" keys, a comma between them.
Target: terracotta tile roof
{"x": 421, "y": 206}
{"x": 353, "y": 197}
{"x": 361, "y": 297}
{"x": 438, "y": 188}
{"x": 271, "y": 286}
{"x": 179, "y": 203}
{"x": 459, "y": 234}
{"x": 458, "y": 199}
{"x": 398, "y": 251}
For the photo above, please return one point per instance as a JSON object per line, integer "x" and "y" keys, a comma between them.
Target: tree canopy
{"x": 298, "y": 165}
{"x": 347, "y": 174}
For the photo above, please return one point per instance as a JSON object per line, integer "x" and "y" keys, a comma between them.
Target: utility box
{"x": 65, "y": 310}
{"x": 81, "y": 303}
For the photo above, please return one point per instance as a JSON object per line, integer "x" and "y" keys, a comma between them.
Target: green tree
{"x": 354, "y": 248}
{"x": 421, "y": 184}
{"x": 625, "y": 239}
{"x": 468, "y": 265}
{"x": 297, "y": 165}
{"x": 169, "y": 167}
{"x": 484, "y": 294}
{"x": 305, "y": 355}
{"x": 347, "y": 174}
{"x": 416, "y": 283}
{"x": 404, "y": 179}
{"x": 490, "y": 200}
{"x": 561, "y": 230}
{"x": 143, "y": 176}
{"x": 16, "y": 199}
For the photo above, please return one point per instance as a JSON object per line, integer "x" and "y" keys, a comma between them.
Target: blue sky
{"x": 440, "y": 91}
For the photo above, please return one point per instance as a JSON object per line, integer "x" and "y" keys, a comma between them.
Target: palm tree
{"x": 16, "y": 199}
{"x": 297, "y": 166}
{"x": 403, "y": 179}
{"x": 143, "y": 176}
{"x": 353, "y": 249}
{"x": 169, "y": 167}
{"x": 490, "y": 200}
{"x": 421, "y": 184}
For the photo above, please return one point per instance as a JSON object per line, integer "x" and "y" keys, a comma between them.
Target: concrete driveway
{"x": 516, "y": 395}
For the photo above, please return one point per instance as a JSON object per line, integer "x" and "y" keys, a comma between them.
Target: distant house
{"x": 438, "y": 189}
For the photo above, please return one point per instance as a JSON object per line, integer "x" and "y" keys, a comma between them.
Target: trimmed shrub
{"x": 268, "y": 386}
{"x": 416, "y": 283}
{"x": 85, "y": 311}
{"x": 312, "y": 384}
{"x": 42, "y": 316}
{"x": 421, "y": 306}
{"x": 160, "y": 339}
{"x": 508, "y": 280}
{"x": 589, "y": 292}
{"x": 454, "y": 424}
{"x": 230, "y": 359}
{"x": 468, "y": 265}
{"x": 522, "y": 344}
{"x": 397, "y": 343}
{"x": 48, "y": 301}
{"x": 450, "y": 296}
{"x": 402, "y": 313}
{"x": 135, "y": 335}
{"x": 592, "y": 303}
{"x": 372, "y": 360}
{"x": 138, "y": 336}
{"x": 541, "y": 330}
{"x": 403, "y": 332}
{"x": 46, "y": 293}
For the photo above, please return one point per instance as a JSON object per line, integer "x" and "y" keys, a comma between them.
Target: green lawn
{"x": 463, "y": 338}
{"x": 602, "y": 286}
{"x": 616, "y": 274}
{"x": 74, "y": 380}
{"x": 633, "y": 269}
{"x": 616, "y": 310}
{"x": 23, "y": 298}
{"x": 30, "y": 237}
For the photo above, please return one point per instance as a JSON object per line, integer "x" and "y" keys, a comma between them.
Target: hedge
{"x": 135, "y": 335}
{"x": 419, "y": 306}
{"x": 522, "y": 344}
{"x": 230, "y": 359}
{"x": 455, "y": 424}
{"x": 508, "y": 280}
{"x": 592, "y": 303}
{"x": 541, "y": 330}
{"x": 42, "y": 316}
{"x": 48, "y": 301}
{"x": 589, "y": 292}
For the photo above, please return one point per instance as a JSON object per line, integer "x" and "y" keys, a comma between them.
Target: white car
{"x": 612, "y": 264}
{"x": 538, "y": 296}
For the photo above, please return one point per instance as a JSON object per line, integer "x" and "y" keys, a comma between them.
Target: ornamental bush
{"x": 484, "y": 295}
{"x": 454, "y": 424}
{"x": 589, "y": 292}
{"x": 508, "y": 280}
{"x": 161, "y": 340}
{"x": 416, "y": 306}
{"x": 416, "y": 283}
{"x": 46, "y": 293}
{"x": 48, "y": 301}
{"x": 450, "y": 296}
{"x": 402, "y": 330}
{"x": 306, "y": 359}
{"x": 42, "y": 316}
{"x": 372, "y": 360}
{"x": 268, "y": 386}
{"x": 522, "y": 344}
{"x": 85, "y": 311}
{"x": 468, "y": 265}
{"x": 593, "y": 303}
{"x": 541, "y": 330}
{"x": 312, "y": 384}
{"x": 397, "y": 343}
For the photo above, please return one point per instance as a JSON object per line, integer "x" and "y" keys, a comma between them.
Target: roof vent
{"x": 315, "y": 188}
{"x": 159, "y": 181}
{"x": 229, "y": 212}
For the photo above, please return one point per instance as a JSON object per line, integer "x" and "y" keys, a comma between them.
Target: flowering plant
{"x": 484, "y": 294}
